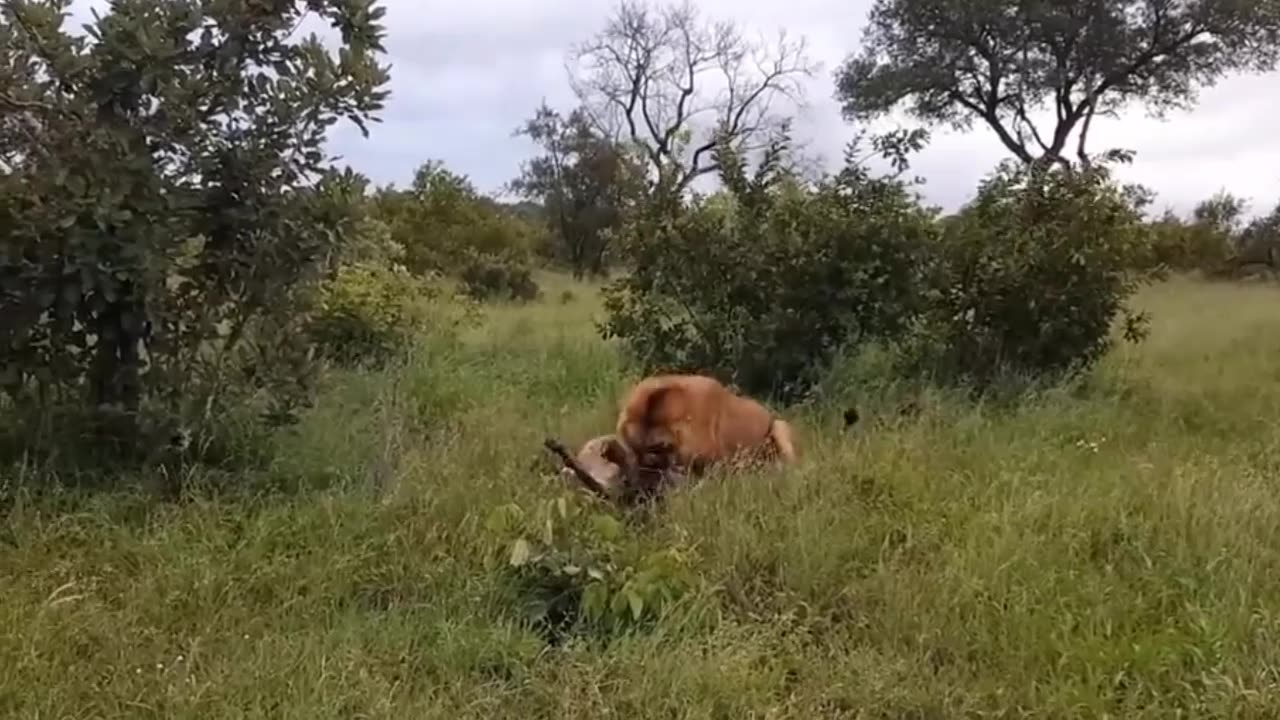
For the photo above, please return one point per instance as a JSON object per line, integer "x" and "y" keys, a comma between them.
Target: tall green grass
{"x": 1106, "y": 549}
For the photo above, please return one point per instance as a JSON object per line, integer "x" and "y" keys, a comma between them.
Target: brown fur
{"x": 694, "y": 421}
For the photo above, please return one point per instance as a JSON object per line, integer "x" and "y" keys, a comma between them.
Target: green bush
{"x": 443, "y": 222}
{"x": 368, "y": 313}
{"x": 371, "y": 241}
{"x": 1180, "y": 246}
{"x": 568, "y": 570}
{"x": 762, "y": 284}
{"x": 1031, "y": 275}
{"x": 497, "y": 277}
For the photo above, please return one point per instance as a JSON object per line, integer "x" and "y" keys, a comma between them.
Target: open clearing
{"x": 1108, "y": 549}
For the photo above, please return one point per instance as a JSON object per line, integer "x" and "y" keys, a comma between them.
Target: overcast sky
{"x": 465, "y": 75}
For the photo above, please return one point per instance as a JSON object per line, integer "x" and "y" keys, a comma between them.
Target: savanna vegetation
{"x": 270, "y": 435}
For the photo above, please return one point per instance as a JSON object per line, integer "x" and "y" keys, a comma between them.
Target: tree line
{"x": 176, "y": 248}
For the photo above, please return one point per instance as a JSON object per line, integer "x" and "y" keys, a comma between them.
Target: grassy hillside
{"x": 1109, "y": 549}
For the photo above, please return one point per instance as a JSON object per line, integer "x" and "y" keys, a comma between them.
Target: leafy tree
{"x": 1267, "y": 226}
{"x": 584, "y": 181}
{"x": 1000, "y": 61}
{"x": 1259, "y": 242}
{"x": 1222, "y": 213}
{"x": 652, "y": 73}
{"x": 442, "y": 221}
{"x": 164, "y": 192}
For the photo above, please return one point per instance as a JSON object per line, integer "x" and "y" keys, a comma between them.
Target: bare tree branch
{"x": 1081, "y": 154}
{"x": 659, "y": 77}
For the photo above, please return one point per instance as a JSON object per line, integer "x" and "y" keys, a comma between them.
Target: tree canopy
{"x": 1000, "y": 61}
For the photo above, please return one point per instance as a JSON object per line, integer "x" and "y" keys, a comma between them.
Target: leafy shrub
{"x": 762, "y": 284}
{"x": 442, "y": 222}
{"x": 372, "y": 242}
{"x": 1031, "y": 275}
{"x": 497, "y": 277}
{"x": 569, "y": 569}
{"x": 368, "y": 313}
{"x": 1181, "y": 246}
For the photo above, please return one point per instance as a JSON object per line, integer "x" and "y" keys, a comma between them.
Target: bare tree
{"x": 675, "y": 85}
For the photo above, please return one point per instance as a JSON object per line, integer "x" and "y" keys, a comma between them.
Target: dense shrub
{"x": 371, "y": 241}
{"x": 1031, "y": 275}
{"x": 761, "y": 284}
{"x": 443, "y": 222}
{"x": 1206, "y": 242}
{"x": 368, "y": 313}
{"x": 497, "y": 277}
{"x": 1186, "y": 246}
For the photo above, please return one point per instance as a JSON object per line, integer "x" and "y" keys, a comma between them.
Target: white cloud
{"x": 466, "y": 74}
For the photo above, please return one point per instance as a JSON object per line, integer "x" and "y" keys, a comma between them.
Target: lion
{"x": 694, "y": 422}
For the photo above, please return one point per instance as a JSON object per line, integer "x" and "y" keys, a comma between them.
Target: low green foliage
{"x": 1030, "y": 277}
{"x": 369, "y": 313}
{"x": 1111, "y": 547}
{"x": 487, "y": 276}
{"x": 571, "y": 569}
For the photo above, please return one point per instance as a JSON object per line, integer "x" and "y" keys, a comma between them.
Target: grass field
{"x": 1111, "y": 549}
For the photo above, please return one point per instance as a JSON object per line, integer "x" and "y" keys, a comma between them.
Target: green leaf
{"x": 520, "y": 553}
{"x": 548, "y": 531}
{"x": 500, "y": 518}
{"x": 606, "y": 528}
{"x": 635, "y": 602}
{"x": 595, "y": 600}
{"x": 618, "y": 605}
